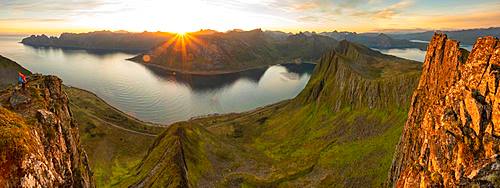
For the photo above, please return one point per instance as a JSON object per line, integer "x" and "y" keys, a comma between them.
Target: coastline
{"x": 101, "y": 50}
{"x": 118, "y": 110}
{"x": 214, "y": 73}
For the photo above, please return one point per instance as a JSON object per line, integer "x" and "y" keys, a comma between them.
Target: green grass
{"x": 112, "y": 152}
{"x": 334, "y": 148}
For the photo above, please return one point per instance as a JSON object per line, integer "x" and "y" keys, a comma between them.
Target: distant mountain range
{"x": 101, "y": 40}
{"x": 466, "y": 37}
{"x": 374, "y": 40}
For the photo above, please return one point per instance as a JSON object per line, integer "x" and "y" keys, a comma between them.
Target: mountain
{"x": 305, "y": 47}
{"x": 101, "y": 40}
{"x": 466, "y": 37}
{"x": 39, "y": 139}
{"x": 375, "y": 40}
{"x": 9, "y": 72}
{"x": 450, "y": 138}
{"x": 233, "y": 51}
{"x": 340, "y": 131}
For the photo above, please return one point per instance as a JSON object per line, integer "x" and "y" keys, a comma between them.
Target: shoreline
{"x": 152, "y": 124}
{"x": 213, "y": 73}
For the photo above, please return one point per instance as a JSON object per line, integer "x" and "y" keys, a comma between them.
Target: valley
{"x": 272, "y": 146}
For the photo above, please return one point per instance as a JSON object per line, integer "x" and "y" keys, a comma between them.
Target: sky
{"x": 56, "y": 16}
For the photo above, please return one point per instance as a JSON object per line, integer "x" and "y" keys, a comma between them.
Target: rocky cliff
{"x": 39, "y": 139}
{"x": 451, "y": 137}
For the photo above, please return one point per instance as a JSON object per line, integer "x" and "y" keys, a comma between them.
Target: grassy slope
{"x": 302, "y": 142}
{"x": 112, "y": 151}
{"x": 8, "y": 71}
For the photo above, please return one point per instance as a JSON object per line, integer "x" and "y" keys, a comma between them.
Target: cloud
{"x": 50, "y": 5}
{"x": 470, "y": 20}
{"x": 32, "y": 20}
{"x": 387, "y": 12}
{"x": 289, "y": 15}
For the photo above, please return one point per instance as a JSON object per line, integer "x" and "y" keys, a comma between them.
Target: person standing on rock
{"x": 21, "y": 79}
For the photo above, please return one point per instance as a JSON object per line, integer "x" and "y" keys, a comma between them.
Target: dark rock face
{"x": 451, "y": 137}
{"x": 42, "y": 146}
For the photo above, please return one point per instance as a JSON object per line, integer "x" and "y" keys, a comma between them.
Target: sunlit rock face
{"x": 452, "y": 135}
{"x": 39, "y": 139}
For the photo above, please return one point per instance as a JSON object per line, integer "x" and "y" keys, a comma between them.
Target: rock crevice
{"x": 450, "y": 138}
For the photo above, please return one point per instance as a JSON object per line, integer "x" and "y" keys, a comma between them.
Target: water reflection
{"x": 69, "y": 50}
{"x": 414, "y": 53}
{"x": 204, "y": 83}
{"x": 408, "y": 53}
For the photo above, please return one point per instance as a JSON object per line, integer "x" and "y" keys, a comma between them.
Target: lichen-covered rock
{"x": 451, "y": 137}
{"x": 19, "y": 98}
{"x": 39, "y": 140}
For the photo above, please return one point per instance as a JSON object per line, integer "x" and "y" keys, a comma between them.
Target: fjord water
{"x": 155, "y": 95}
{"x": 413, "y": 53}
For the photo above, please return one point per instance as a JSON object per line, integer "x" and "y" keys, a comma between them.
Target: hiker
{"x": 21, "y": 79}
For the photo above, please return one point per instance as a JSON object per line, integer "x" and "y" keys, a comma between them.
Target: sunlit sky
{"x": 56, "y": 16}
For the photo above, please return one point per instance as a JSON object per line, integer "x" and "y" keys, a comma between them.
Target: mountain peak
{"x": 451, "y": 137}
{"x": 350, "y": 76}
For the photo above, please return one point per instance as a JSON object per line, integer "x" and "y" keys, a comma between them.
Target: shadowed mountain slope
{"x": 8, "y": 72}
{"x": 312, "y": 140}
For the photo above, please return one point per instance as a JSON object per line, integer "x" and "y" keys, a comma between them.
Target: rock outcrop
{"x": 452, "y": 135}
{"x": 39, "y": 139}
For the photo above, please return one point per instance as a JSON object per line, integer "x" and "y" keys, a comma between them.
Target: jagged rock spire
{"x": 451, "y": 137}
